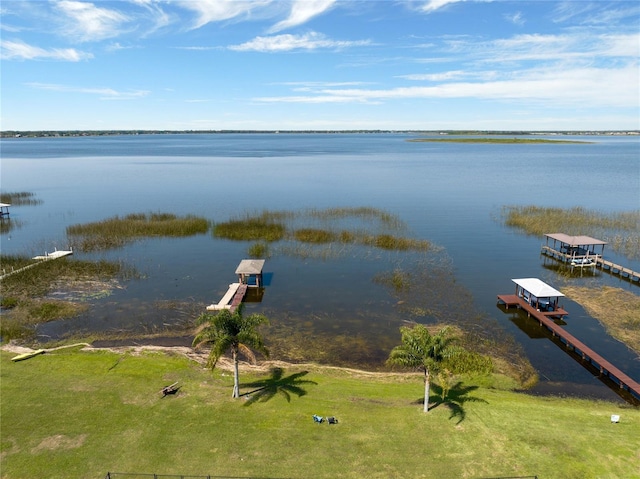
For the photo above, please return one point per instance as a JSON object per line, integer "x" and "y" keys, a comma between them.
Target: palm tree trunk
{"x": 236, "y": 376}
{"x": 426, "y": 390}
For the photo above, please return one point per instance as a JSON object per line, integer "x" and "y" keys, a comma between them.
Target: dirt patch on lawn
{"x": 59, "y": 441}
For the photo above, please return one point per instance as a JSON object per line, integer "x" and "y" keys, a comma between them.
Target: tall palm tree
{"x": 423, "y": 351}
{"x": 227, "y": 330}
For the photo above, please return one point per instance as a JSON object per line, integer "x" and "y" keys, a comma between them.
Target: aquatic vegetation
{"x": 386, "y": 241}
{"x": 363, "y": 226}
{"x": 313, "y": 235}
{"x": 116, "y": 232}
{"x": 258, "y": 250}
{"x": 30, "y": 292}
{"x": 618, "y": 310}
{"x": 19, "y": 198}
{"x": 251, "y": 228}
{"x": 619, "y": 229}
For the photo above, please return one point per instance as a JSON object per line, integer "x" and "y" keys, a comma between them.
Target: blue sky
{"x": 319, "y": 64}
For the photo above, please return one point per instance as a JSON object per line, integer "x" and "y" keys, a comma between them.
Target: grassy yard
{"x": 79, "y": 414}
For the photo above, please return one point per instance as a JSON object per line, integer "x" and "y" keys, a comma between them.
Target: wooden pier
{"x": 232, "y": 298}
{"x": 39, "y": 259}
{"x": 572, "y": 343}
{"x": 249, "y": 273}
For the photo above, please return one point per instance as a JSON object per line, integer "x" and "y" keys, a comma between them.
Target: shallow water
{"x": 450, "y": 194}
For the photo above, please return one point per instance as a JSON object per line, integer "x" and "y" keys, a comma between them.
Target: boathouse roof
{"x": 575, "y": 240}
{"x": 537, "y": 288}
{"x": 250, "y": 266}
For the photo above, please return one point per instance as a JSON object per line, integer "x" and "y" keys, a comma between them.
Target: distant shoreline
{"x": 79, "y": 133}
{"x": 494, "y": 140}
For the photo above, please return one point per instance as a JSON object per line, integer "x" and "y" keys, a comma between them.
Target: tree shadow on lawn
{"x": 266, "y": 389}
{"x": 454, "y": 399}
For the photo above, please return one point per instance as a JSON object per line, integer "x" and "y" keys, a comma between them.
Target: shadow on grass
{"x": 455, "y": 400}
{"x": 266, "y": 389}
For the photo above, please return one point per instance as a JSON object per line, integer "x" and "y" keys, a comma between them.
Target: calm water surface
{"x": 450, "y": 194}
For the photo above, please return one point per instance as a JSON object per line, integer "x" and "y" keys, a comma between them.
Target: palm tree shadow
{"x": 455, "y": 400}
{"x": 277, "y": 383}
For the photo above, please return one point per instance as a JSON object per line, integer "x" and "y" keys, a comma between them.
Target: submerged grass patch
{"x": 362, "y": 223}
{"x": 116, "y": 232}
{"x": 265, "y": 227}
{"x": 619, "y": 229}
{"x": 19, "y": 198}
{"x": 618, "y": 310}
{"x": 29, "y": 293}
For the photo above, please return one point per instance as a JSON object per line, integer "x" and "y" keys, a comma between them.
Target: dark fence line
{"x": 130, "y": 475}
{"x": 126, "y": 475}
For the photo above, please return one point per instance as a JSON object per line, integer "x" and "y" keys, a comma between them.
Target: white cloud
{"x": 22, "y": 51}
{"x": 515, "y": 18}
{"x": 565, "y": 87}
{"x": 103, "y": 93}
{"x": 301, "y": 12}
{"x": 219, "y": 10}
{"x": 87, "y": 22}
{"x": 282, "y": 43}
{"x": 433, "y": 5}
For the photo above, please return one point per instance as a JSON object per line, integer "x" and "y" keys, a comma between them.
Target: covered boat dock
{"x": 578, "y": 251}
{"x": 249, "y": 273}
{"x": 534, "y": 294}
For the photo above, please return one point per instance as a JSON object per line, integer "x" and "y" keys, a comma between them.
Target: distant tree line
{"x": 75, "y": 133}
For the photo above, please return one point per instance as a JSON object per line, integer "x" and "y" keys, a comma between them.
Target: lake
{"x": 327, "y": 300}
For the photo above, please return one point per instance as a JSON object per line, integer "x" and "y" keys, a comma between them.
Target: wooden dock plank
{"x": 571, "y": 341}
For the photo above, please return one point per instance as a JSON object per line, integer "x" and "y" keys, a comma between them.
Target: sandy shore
{"x": 200, "y": 357}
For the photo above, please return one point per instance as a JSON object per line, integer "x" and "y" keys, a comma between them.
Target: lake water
{"x": 327, "y": 302}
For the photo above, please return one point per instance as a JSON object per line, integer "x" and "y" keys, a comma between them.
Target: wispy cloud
{"x": 515, "y": 18}
{"x": 301, "y": 12}
{"x": 569, "y": 87}
{"x": 10, "y": 50}
{"x": 433, "y": 5}
{"x": 283, "y": 43}
{"x": 595, "y": 13}
{"x": 85, "y": 21}
{"x": 208, "y": 11}
{"x": 103, "y": 93}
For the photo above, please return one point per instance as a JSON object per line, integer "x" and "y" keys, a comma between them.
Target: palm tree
{"x": 424, "y": 351}
{"x": 227, "y": 330}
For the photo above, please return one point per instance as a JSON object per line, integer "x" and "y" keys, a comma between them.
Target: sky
{"x": 319, "y": 65}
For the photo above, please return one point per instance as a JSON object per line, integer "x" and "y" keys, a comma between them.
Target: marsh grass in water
{"x": 364, "y": 228}
{"x": 19, "y": 198}
{"x": 30, "y": 292}
{"x": 619, "y": 229}
{"x": 263, "y": 227}
{"x": 116, "y": 232}
{"x": 618, "y": 310}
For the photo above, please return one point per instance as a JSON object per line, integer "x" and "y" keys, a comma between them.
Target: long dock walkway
{"x": 232, "y": 298}
{"x": 571, "y": 342}
{"x": 39, "y": 259}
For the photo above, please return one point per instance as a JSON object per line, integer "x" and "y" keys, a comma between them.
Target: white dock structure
{"x": 249, "y": 273}
{"x": 55, "y": 255}
{"x": 39, "y": 259}
{"x": 225, "y": 302}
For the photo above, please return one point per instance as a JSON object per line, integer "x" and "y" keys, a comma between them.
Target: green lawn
{"x": 79, "y": 414}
